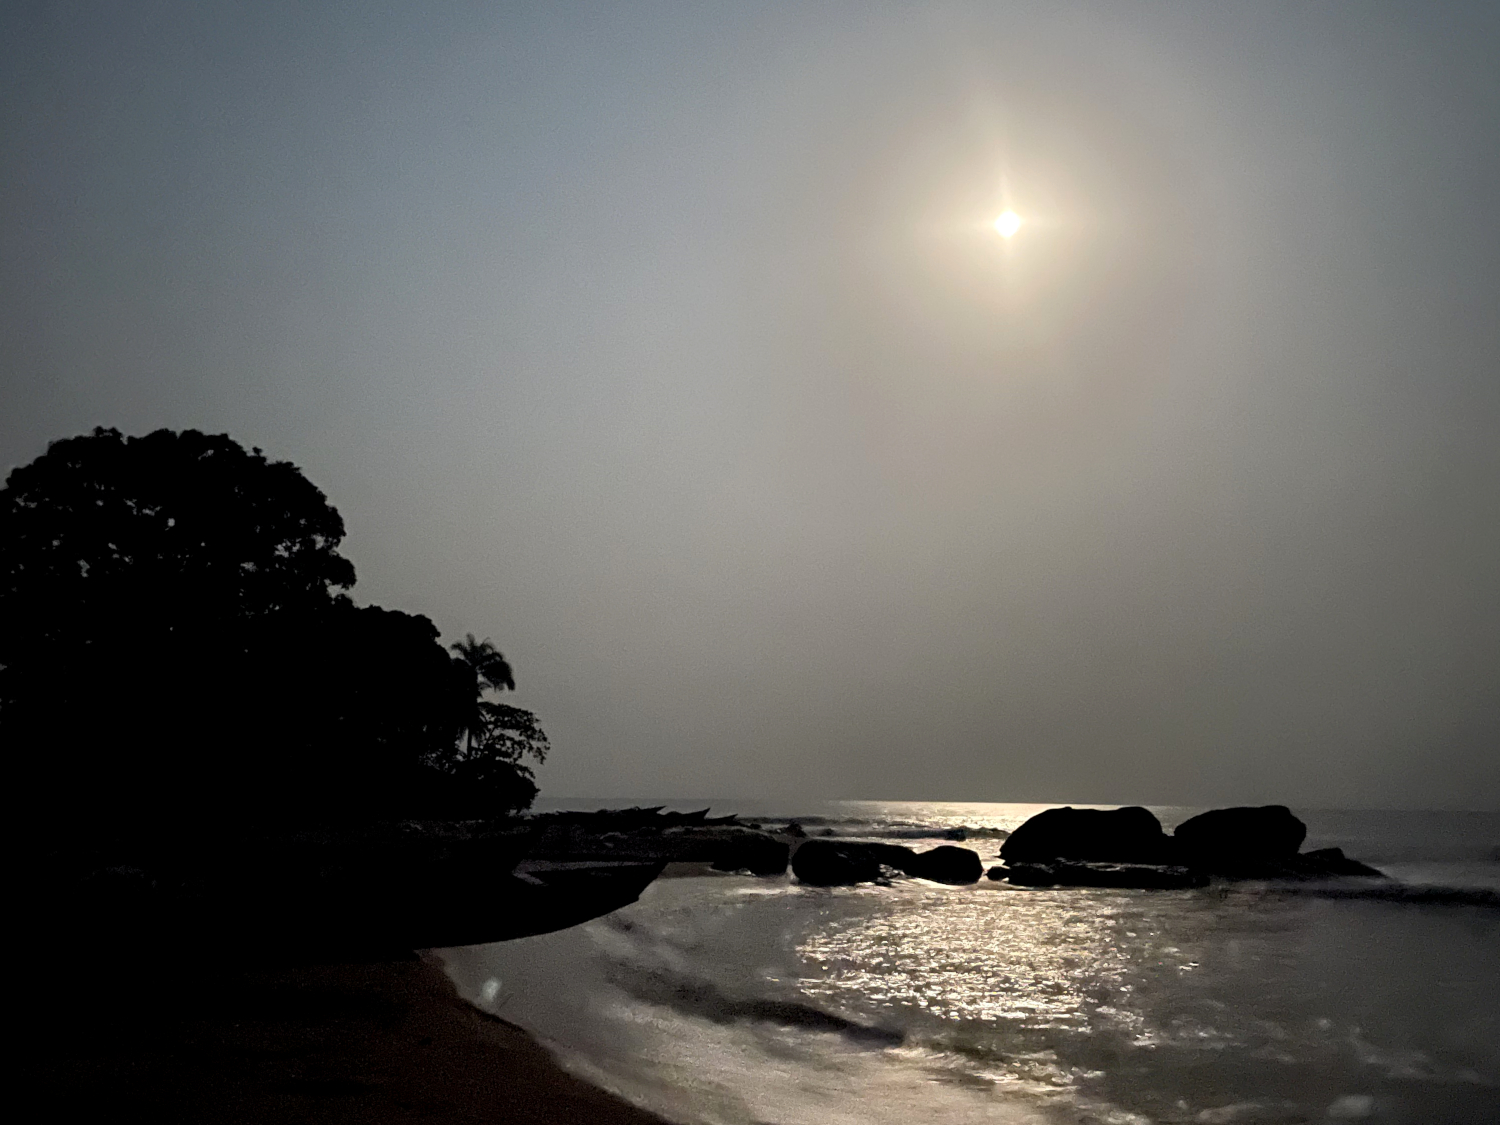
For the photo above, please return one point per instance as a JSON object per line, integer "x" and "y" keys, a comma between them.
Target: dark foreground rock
{"x": 1122, "y": 875}
{"x": 946, "y": 864}
{"x": 1128, "y": 835}
{"x": 327, "y": 896}
{"x": 1239, "y": 840}
{"x": 280, "y": 893}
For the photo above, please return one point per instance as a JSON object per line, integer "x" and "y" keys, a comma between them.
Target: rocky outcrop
{"x": 1128, "y": 835}
{"x": 1240, "y": 841}
{"x": 946, "y": 864}
{"x": 1127, "y": 848}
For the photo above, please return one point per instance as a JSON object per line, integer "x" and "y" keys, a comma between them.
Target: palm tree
{"x": 491, "y": 672}
{"x": 494, "y": 737}
{"x": 490, "y": 668}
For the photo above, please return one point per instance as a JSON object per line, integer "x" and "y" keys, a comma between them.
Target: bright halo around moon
{"x": 1007, "y": 224}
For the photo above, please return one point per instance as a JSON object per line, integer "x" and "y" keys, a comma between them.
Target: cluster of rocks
{"x": 1059, "y": 847}
{"x": 837, "y": 863}
{"x": 1128, "y": 848}
{"x": 727, "y": 844}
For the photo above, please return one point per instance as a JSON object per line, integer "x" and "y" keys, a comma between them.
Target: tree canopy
{"x": 178, "y": 639}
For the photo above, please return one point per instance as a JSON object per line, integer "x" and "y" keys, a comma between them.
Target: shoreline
{"x": 379, "y": 1042}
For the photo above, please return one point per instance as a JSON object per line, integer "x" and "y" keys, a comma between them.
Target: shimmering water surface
{"x": 738, "y": 1000}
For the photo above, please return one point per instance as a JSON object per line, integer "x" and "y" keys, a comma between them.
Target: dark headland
{"x": 239, "y": 801}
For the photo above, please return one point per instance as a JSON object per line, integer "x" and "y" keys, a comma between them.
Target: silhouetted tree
{"x": 176, "y": 640}
{"x": 159, "y": 532}
{"x": 496, "y": 737}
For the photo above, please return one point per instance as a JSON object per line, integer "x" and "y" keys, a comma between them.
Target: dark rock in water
{"x": 795, "y": 829}
{"x": 1128, "y": 835}
{"x": 1121, "y": 875}
{"x": 1259, "y": 843}
{"x": 1126, "y": 848}
{"x": 898, "y": 856}
{"x": 946, "y": 864}
{"x": 997, "y": 873}
{"x": 822, "y": 863}
{"x": 828, "y": 863}
{"x": 1333, "y": 862}
{"x": 748, "y": 850}
{"x": 1030, "y": 875}
{"x": 1240, "y": 841}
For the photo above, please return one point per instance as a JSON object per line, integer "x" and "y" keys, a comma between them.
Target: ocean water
{"x": 736, "y": 1000}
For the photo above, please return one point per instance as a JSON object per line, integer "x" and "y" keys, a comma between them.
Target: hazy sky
{"x": 668, "y": 345}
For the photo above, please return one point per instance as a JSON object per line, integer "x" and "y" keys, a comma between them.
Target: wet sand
{"x": 370, "y": 1043}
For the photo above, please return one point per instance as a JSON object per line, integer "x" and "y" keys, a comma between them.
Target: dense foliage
{"x": 177, "y": 640}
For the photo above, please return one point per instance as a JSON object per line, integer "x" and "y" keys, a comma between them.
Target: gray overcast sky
{"x": 668, "y": 345}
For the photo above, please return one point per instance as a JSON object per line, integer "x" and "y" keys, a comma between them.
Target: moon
{"x": 1007, "y": 224}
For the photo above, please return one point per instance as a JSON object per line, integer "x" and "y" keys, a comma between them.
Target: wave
{"x": 1409, "y": 893}
{"x": 883, "y": 829}
{"x": 843, "y": 820}
{"x": 706, "y": 1001}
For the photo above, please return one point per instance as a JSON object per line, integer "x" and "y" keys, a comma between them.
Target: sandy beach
{"x": 371, "y": 1043}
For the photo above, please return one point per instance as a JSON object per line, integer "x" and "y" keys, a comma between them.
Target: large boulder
{"x": 1128, "y": 835}
{"x": 946, "y": 864}
{"x": 1240, "y": 841}
{"x": 841, "y": 863}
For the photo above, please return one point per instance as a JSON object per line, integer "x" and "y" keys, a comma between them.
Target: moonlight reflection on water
{"x": 1026, "y": 958}
{"x": 1000, "y": 1003}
